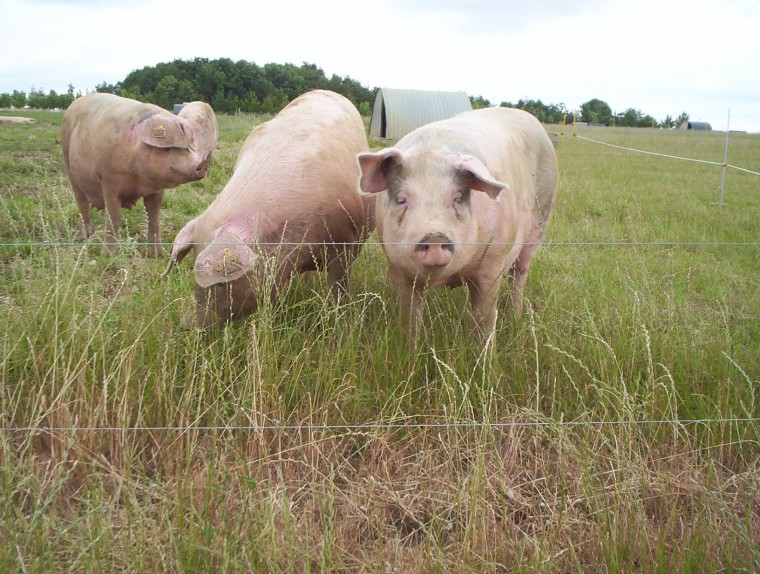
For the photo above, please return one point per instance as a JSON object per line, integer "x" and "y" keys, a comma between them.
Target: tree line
{"x": 228, "y": 86}
{"x": 38, "y": 99}
{"x": 231, "y": 87}
{"x": 594, "y": 111}
{"x": 243, "y": 86}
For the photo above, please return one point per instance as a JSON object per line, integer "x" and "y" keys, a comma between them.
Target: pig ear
{"x": 476, "y": 175}
{"x": 375, "y": 168}
{"x": 163, "y": 132}
{"x": 225, "y": 260}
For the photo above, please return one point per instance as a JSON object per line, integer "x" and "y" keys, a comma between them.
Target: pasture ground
{"x": 638, "y": 310}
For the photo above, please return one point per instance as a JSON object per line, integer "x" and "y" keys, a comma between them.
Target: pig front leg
{"x": 207, "y": 309}
{"x": 483, "y": 294}
{"x": 152, "y": 205}
{"x": 410, "y": 303}
{"x": 113, "y": 222}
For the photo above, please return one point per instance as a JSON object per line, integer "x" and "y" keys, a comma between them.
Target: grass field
{"x": 637, "y": 310}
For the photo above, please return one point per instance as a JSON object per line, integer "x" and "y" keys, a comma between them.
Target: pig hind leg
{"x": 84, "y": 210}
{"x": 113, "y": 222}
{"x": 518, "y": 273}
{"x": 338, "y": 264}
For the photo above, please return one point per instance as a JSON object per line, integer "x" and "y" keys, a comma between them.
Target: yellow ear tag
{"x": 229, "y": 263}
{"x": 159, "y": 131}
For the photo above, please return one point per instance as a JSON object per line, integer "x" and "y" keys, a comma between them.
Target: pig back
{"x": 512, "y": 144}
{"x": 134, "y": 147}
{"x": 516, "y": 148}
{"x": 98, "y": 120}
{"x": 204, "y": 126}
{"x": 295, "y": 176}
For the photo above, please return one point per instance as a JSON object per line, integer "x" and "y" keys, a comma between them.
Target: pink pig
{"x": 117, "y": 150}
{"x": 291, "y": 205}
{"x": 460, "y": 202}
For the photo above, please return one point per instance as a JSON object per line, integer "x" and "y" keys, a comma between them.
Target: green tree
{"x": 230, "y": 86}
{"x": 365, "y": 109}
{"x": 629, "y": 118}
{"x": 165, "y": 94}
{"x": 479, "y": 102}
{"x": 273, "y": 103}
{"x": 682, "y": 119}
{"x": 596, "y": 111}
{"x": 546, "y": 113}
{"x": 102, "y": 88}
{"x": 18, "y": 99}
{"x": 36, "y": 98}
{"x": 287, "y": 78}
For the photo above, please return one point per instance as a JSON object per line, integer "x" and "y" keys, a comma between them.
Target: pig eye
{"x": 400, "y": 200}
{"x": 457, "y": 200}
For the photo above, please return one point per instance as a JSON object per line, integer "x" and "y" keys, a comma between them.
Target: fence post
{"x": 725, "y": 163}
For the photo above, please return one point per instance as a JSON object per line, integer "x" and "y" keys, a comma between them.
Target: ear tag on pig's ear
{"x": 229, "y": 263}
{"x": 219, "y": 264}
{"x": 159, "y": 131}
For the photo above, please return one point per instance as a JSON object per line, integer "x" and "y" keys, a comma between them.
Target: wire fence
{"x": 718, "y": 163}
{"x": 19, "y": 245}
{"x": 549, "y": 244}
{"x": 360, "y": 427}
{"x": 366, "y": 427}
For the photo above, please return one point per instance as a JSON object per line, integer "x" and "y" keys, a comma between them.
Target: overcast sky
{"x": 662, "y": 57}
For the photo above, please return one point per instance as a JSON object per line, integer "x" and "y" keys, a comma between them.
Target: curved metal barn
{"x": 397, "y": 112}
{"x": 699, "y": 126}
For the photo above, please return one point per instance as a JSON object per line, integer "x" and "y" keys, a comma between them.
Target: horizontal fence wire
{"x": 397, "y": 426}
{"x": 719, "y": 163}
{"x": 48, "y": 244}
{"x": 359, "y": 427}
{"x": 550, "y": 244}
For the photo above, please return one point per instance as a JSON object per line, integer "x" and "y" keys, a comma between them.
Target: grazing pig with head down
{"x": 291, "y": 201}
{"x": 117, "y": 150}
{"x": 460, "y": 202}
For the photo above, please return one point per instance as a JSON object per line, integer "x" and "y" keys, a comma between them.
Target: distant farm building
{"x": 398, "y": 112}
{"x": 699, "y": 126}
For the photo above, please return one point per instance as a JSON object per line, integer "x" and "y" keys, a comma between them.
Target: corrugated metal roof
{"x": 398, "y": 112}
{"x": 699, "y": 126}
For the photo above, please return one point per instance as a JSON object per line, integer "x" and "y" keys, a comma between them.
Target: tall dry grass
{"x": 137, "y": 444}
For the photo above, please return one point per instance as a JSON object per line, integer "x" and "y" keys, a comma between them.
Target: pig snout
{"x": 434, "y": 250}
{"x": 200, "y": 170}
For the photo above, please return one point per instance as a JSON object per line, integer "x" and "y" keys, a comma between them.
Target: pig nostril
{"x": 434, "y": 250}
{"x": 438, "y": 239}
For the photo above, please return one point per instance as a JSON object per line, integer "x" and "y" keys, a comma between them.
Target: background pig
{"x": 461, "y": 201}
{"x": 202, "y": 120}
{"x": 118, "y": 150}
{"x": 294, "y": 182}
